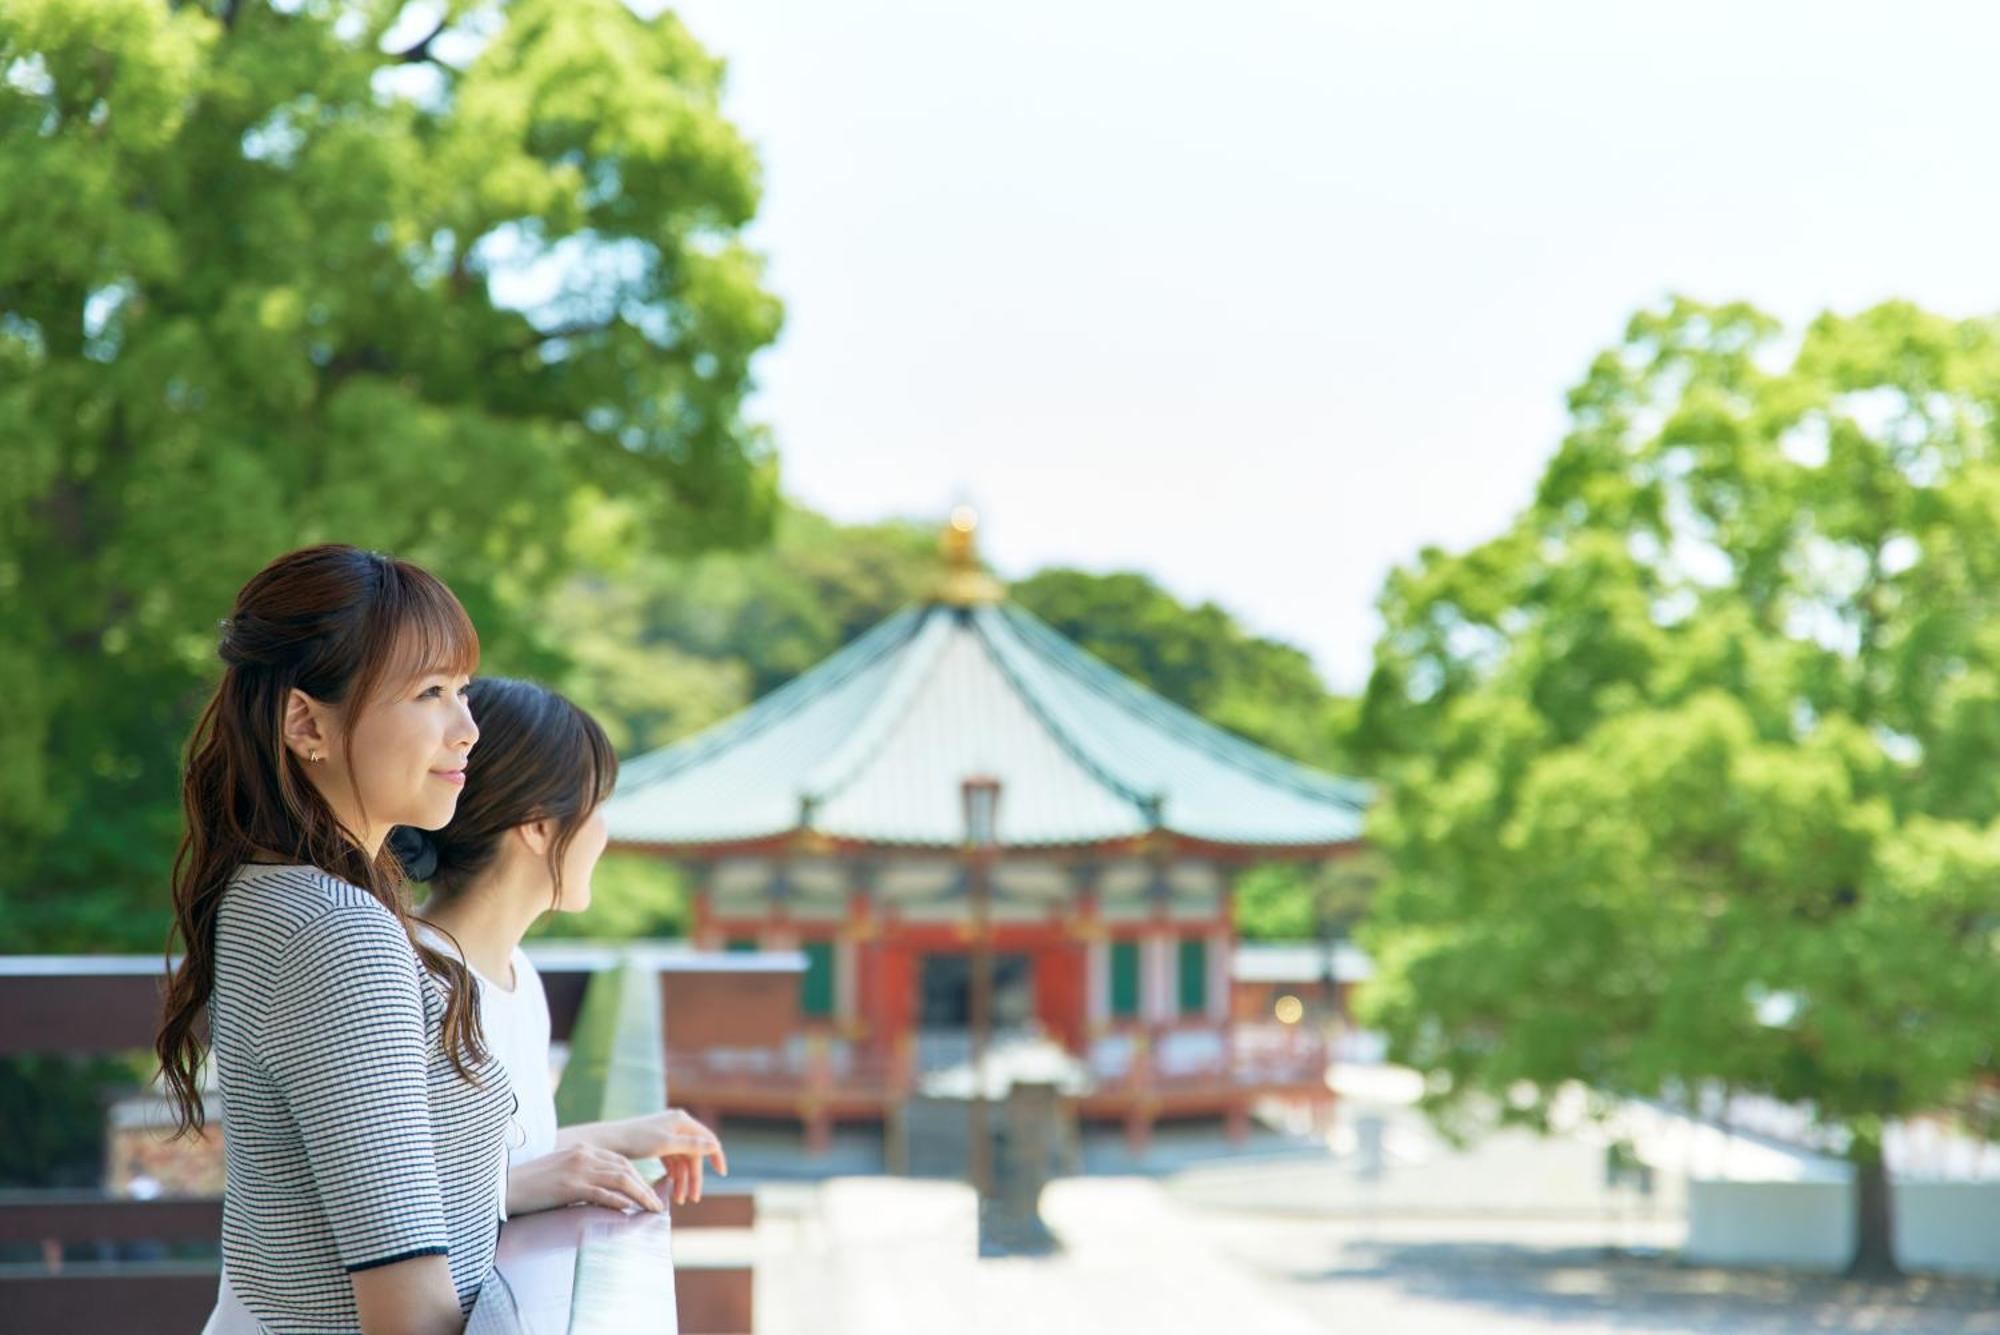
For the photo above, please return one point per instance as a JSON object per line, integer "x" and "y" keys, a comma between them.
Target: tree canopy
{"x": 461, "y": 281}
{"x": 1199, "y": 657}
{"x": 434, "y": 282}
{"x": 1688, "y": 772}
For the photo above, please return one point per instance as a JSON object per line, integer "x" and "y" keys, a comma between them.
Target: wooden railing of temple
{"x": 613, "y": 1271}
{"x": 1138, "y": 1072}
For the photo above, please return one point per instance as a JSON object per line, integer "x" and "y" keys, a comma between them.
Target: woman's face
{"x": 408, "y": 753}
{"x": 581, "y": 860}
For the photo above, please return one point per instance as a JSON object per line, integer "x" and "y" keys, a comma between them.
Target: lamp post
{"x": 981, "y": 796}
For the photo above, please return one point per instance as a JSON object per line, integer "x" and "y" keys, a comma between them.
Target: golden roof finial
{"x": 964, "y": 583}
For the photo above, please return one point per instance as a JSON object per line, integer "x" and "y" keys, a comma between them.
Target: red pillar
{"x": 896, "y": 980}
{"x": 1059, "y": 992}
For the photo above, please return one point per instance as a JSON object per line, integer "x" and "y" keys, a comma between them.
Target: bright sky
{"x": 1260, "y": 298}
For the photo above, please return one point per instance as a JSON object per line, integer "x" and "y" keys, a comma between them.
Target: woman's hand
{"x": 681, "y": 1144}
{"x": 578, "y": 1175}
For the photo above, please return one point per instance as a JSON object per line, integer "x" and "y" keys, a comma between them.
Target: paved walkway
{"x": 1541, "y": 1277}
{"x": 1516, "y": 1235}
{"x": 883, "y": 1255}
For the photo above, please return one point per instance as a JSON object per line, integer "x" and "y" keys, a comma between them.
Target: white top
{"x": 350, "y": 1140}
{"x": 516, "y": 1025}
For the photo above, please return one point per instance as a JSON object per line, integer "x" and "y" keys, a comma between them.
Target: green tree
{"x": 1687, "y": 773}
{"x": 1299, "y": 901}
{"x": 53, "y": 1106}
{"x": 1198, "y": 657}
{"x": 659, "y": 645}
{"x": 632, "y": 896}
{"x": 427, "y": 281}
{"x": 782, "y": 609}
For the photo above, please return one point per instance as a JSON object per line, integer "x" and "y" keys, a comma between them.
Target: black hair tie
{"x": 416, "y": 850}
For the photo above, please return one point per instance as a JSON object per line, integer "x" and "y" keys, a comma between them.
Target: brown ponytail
{"x": 342, "y": 625}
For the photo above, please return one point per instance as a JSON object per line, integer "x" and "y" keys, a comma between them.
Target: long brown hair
{"x": 540, "y": 757}
{"x": 343, "y": 625}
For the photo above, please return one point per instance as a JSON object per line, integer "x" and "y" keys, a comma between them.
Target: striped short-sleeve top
{"x": 349, "y": 1139}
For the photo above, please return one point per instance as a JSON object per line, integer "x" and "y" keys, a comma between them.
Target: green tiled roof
{"x": 873, "y": 743}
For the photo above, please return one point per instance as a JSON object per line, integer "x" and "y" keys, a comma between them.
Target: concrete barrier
{"x": 1940, "y": 1226}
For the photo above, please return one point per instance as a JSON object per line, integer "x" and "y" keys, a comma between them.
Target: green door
{"x": 1124, "y": 979}
{"x": 816, "y": 987}
{"x": 1194, "y": 976}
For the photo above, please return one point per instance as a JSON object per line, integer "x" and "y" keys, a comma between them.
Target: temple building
{"x": 963, "y": 773}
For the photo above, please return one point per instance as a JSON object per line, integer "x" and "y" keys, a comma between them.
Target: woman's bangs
{"x": 428, "y": 632}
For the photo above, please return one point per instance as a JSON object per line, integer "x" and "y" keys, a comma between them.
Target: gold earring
{"x": 315, "y": 757}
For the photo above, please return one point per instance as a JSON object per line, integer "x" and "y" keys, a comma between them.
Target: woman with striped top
{"x": 525, "y": 838}
{"x": 364, "y": 1117}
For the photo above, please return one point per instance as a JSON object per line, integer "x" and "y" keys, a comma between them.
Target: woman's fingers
{"x": 635, "y": 1186}
{"x": 709, "y": 1145}
{"x": 614, "y": 1173}
{"x": 689, "y": 1136}
{"x": 713, "y": 1147}
{"x": 605, "y": 1197}
{"x": 696, "y": 1143}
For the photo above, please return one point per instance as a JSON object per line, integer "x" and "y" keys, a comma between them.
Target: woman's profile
{"x": 365, "y": 1118}
{"x": 524, "y": 840}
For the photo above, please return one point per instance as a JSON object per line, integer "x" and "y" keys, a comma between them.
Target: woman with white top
{"x": 524, "y": 839}
{"x": 365, "y": 1118}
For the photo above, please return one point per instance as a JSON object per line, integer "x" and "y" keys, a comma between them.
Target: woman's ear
{"x": 308, "y": 727}
{"x": 537, "y": 835}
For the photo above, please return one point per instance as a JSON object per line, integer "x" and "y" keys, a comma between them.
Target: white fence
{"x": 1946, "y": 1226}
